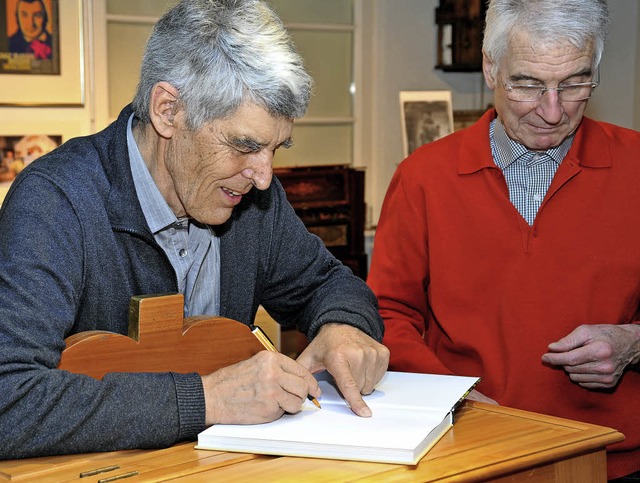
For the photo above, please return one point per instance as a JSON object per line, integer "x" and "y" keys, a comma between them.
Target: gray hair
{"x": 548, "y": 22}
{"x": 219, "y": 54}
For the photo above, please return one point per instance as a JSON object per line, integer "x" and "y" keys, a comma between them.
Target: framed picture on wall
{"x": 29, "y": 37}
{"x": 426, "y": 117}
{"x": 465, "y": 118}
{"x": 26, "y": 137}
{"x": 41, "y": 56}
{"x": 17, "y": 152}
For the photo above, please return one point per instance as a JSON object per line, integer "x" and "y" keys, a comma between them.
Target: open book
{"x": 411, "y": 412}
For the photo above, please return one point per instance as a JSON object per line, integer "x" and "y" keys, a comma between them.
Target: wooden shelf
{"x": 460, "y": 29}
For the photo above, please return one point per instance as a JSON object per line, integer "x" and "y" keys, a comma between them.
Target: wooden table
{"x": 486, "y": 443}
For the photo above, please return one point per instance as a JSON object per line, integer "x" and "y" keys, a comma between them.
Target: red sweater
{"x": 467, "y": 287}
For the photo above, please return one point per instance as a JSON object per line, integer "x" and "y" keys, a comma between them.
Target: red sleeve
{"x": 399, "y": 276}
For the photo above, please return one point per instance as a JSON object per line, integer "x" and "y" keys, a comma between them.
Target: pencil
{"x": 267, "y": 344}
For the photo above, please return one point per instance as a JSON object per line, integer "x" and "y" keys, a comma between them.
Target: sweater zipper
{"x": 154, "y": 244}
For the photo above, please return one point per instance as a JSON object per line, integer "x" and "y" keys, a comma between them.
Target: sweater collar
{"x": 123, "y": 205}
{"x": 590, "y": 146}
{"x": 506, "y": 150}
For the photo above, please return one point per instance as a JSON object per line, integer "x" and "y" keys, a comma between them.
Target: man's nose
{"x": 550, "y": 107}
{"x": 260, "y": 170}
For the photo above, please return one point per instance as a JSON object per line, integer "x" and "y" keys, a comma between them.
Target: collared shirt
{"x": 528, "y": 173}
{"x": 193, "y": 248}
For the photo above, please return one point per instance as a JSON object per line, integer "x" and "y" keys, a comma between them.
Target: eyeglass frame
{"x": 508, "y": 87}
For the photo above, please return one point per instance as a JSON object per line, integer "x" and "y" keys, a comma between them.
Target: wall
{"x": 65, "y": 121}
{"x": 398, "y": 53}
{"x": 400, "y": 39}
{"x": 615, "y": 100}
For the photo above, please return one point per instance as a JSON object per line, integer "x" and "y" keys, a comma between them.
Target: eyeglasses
{"x": 580, "y": 91}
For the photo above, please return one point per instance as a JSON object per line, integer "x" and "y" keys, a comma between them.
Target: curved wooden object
{"x": 161, "y": 340}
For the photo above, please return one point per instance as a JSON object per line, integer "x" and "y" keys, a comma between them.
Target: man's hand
{"x": 257, "y": 390}
{"x": 595, "y": 356}
{"x": 355, "y": 360}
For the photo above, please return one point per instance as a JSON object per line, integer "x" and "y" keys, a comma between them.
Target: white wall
{"x": 400, "y": 52}
{"x": 615, "y": 100}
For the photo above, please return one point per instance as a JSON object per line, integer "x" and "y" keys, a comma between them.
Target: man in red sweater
{"x": 511, "y": 250}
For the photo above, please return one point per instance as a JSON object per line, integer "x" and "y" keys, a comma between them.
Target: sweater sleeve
{"x": 399, "y": 276}
{"x": 305, "y": 285}
{"x": 44, "y": 410}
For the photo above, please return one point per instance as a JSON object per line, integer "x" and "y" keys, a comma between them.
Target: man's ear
{"x": 163, "y": 108}
{"x": 487, "y": 69}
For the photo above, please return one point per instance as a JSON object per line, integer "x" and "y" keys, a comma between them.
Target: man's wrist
{"x": 634, "y": 331}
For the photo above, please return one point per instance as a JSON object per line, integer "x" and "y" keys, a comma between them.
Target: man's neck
{"x": 154, "y": 150}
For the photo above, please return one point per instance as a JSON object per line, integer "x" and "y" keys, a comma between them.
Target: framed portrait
{"x": 23, "y": 140}
{"x": 30, "y": 39}
{"x": 17, "y": 152}
{"x": 41, "y": 56}
{"x": 426, "y": 117}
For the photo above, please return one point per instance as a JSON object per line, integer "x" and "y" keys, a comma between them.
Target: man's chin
{"x": 219, "y": 217}
{"x": 544, "y": 142}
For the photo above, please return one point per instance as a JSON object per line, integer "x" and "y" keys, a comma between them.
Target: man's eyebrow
{"x": 247, "y": 143}
{"x": 254, "y": 145}
{"x": 586, "y": 72}
{"x": 523, "y": 77}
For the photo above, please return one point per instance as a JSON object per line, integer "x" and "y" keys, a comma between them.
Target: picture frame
{"x": 18, "y": 151}
{"x": 465, "y": 118}
{"x": 426, "y": 116}
{"x": 60, "y": 130}
{"x": 65, "y": 89}
{"x": 29, "y": 37}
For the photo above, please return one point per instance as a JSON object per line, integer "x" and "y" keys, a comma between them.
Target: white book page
{"x": 406, "y": 407}
{"x": 417, "y": 391}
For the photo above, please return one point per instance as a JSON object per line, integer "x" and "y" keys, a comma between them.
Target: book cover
{"x": 411, "y": 412}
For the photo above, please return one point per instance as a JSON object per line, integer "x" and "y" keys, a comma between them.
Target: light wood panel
{"x": 161, "y": 340}
{"x": 486, "y": 443}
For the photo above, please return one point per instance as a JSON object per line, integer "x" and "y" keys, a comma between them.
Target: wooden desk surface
{"x": 486, "y": 443}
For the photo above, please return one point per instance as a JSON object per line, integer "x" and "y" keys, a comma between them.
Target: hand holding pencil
{"x": 268, "y": 345}
{"x": 257, "y": 390}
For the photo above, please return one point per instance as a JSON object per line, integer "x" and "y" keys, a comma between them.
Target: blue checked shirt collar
{"x": 156, "y": 210}
{"x": 528, "y": 174}
{"x": 506, "y": 150}
{"x": 193, "y": 249}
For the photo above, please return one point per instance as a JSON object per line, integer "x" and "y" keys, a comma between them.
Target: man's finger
{"x": 349, "y": 389}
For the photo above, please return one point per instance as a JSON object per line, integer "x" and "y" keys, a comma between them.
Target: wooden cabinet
{"x": 330, "y": 202}
{"x": 460, "y": 26}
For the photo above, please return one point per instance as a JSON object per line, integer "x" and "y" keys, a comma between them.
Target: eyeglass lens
{"x": 570, "y": 92}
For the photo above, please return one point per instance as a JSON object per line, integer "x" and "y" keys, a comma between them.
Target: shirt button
{"x": 182, "y": 252}
{"x": 537, "y": 197}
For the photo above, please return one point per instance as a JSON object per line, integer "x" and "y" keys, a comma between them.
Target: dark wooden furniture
{"x": 330, "y": 202}
{"x": 460, "y": 29}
